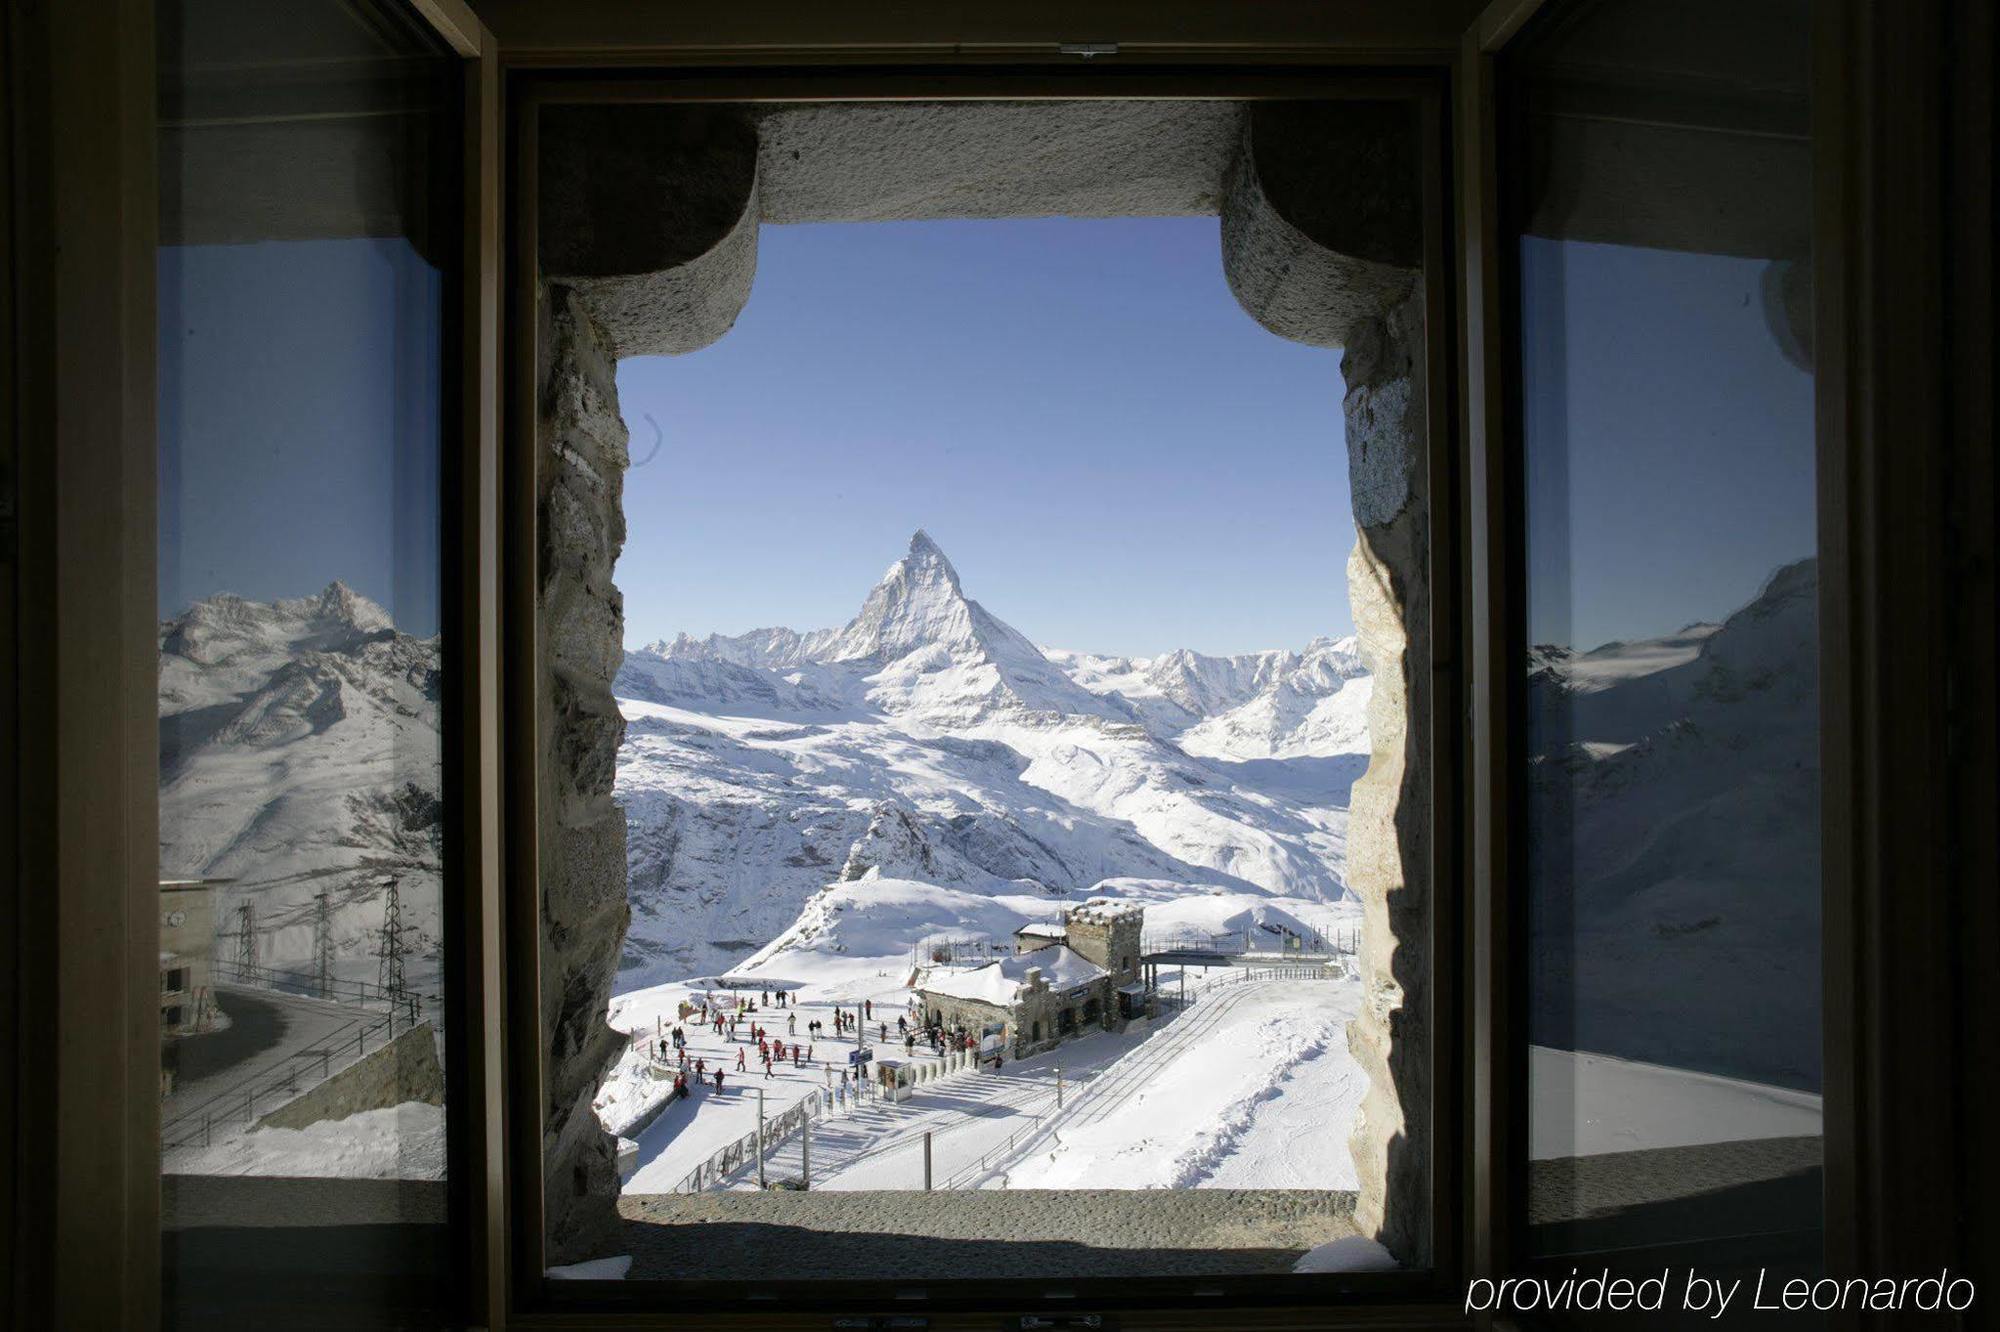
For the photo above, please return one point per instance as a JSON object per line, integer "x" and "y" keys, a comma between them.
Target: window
{"x": 1671, "y": 684}
{"x": 309, "y": 229}
{"x": 174, "y": 981}
{"x": 876, "y": 813}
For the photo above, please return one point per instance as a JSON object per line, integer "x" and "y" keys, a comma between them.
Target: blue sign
{"x": 859, "y": 1056}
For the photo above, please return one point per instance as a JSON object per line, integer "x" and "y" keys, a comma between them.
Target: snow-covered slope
{"x": 1675, "y": 803}
{"x": 299, "y": 752}
{"x": 929, "y": 740}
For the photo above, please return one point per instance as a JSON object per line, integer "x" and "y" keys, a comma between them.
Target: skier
{"x": 869, "y": 1005}
{"x": 792, "y": 1025}
{"x": 718, "y": 1080}
{"x": 739, "y": 1066}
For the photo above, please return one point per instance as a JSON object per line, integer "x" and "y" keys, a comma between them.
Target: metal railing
{"x": 195, "y": 1127}
{"x": 1253, "y": 941}
{"x": 307, "y": 983}
{"x": 727, "y": 1160}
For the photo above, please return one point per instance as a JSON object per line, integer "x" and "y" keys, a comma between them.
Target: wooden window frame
{"x": 1903, "y": 270}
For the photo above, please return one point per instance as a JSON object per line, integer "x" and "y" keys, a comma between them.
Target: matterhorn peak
{"x": 925, "y": 562}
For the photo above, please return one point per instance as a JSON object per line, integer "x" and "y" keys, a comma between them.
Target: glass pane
{"x": 306, "y": 199}
{"x": 1671, "y": 686}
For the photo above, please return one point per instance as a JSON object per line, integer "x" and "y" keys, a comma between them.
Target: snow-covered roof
{"x": 998, "y": 983}
{"x": 1044, "y": 929}
{"x": 1104, "y": 910}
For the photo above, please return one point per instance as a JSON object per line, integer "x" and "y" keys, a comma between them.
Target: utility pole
{"x": 760, "y": 1137}
{"x": 389, "y": 975}
{"x": 927, "y": 1160}
{"x": 1058, "y": 1086}
{"x": 323, "y": 942}
{"x": 806, "y": 1157}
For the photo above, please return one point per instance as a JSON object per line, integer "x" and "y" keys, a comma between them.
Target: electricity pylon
{"x": 246, "y": 939}
{"x": 323, "y": 941}
{"x": 390, "y": 974}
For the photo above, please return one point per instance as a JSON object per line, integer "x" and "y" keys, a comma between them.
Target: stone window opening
{"x": 648, "y": 224}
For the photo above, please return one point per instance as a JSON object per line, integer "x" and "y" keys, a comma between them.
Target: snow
{"x": 1349, "y": 1253}
{"x": 854, "y": 941}
{"x": 1591, "y": 1104}
{"x": 1674, "y": 804}
{"x": 401, "y": 1142}
{"x": 300, "y": 753}
{"x": 1253, "y": 1088}
{"x": 928, "y": 740}
{"x": 997, "y": 983}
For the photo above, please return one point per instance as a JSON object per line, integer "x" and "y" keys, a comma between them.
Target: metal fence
{"x": 1253, "y": 941}
{"x": 196, "y": 1127}
{"x": 308, "y": 983}
{"x": 731, "y": 1158}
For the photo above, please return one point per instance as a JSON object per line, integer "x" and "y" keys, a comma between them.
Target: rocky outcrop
{"x": 581, "y": 441}
{"x": 1388, "y": 830}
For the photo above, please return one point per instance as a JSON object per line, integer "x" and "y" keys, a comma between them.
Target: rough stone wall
{"x": 406, "y": 1069}
{"x": 582, "y": 457}
{"x": 1388, "y": 829}
{"x": 1111, "y": 941}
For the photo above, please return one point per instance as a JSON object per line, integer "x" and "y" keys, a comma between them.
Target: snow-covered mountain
{"x": 928, "y": 740}
{"x": 1675, "y": 818}
{"x": 299, "y": 752}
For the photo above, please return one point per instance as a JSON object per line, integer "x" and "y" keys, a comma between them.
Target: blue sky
{"x": 1112, "y": 453}
{"x": 298, "y": 423}
{"x": 1671, "y": 465}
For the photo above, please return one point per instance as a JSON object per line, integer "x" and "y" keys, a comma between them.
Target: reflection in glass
{"x": 1672, "y": 701}
{"x": 301, "y": 795}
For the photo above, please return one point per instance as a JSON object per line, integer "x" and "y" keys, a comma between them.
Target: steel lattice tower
{"x": 246, "y": 938}
{"x": 323, "y": 941}
{"x": 390, "y": 974}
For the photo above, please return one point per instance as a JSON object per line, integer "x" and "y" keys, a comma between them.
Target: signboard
{"x": 859, "y": 1056}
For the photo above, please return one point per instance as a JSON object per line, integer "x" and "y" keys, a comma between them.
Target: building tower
{"x": 323, "y": 942}
{"x": 390, "y": 974}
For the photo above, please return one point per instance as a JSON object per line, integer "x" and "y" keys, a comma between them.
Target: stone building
{"x": 1065, "y": 978}
{"x": 187, "y": 953}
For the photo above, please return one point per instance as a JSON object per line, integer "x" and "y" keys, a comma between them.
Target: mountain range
{"x": 1674, "y": 836}
{"x": 299, "y": 753}
{"x": 929, "y": 740}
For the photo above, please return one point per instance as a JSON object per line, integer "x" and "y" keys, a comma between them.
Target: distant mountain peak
{"x": 925, "y": 564}
{"x": 918, "y": 602}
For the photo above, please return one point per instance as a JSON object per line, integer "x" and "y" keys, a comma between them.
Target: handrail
{"x": 287, "y": 1078}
